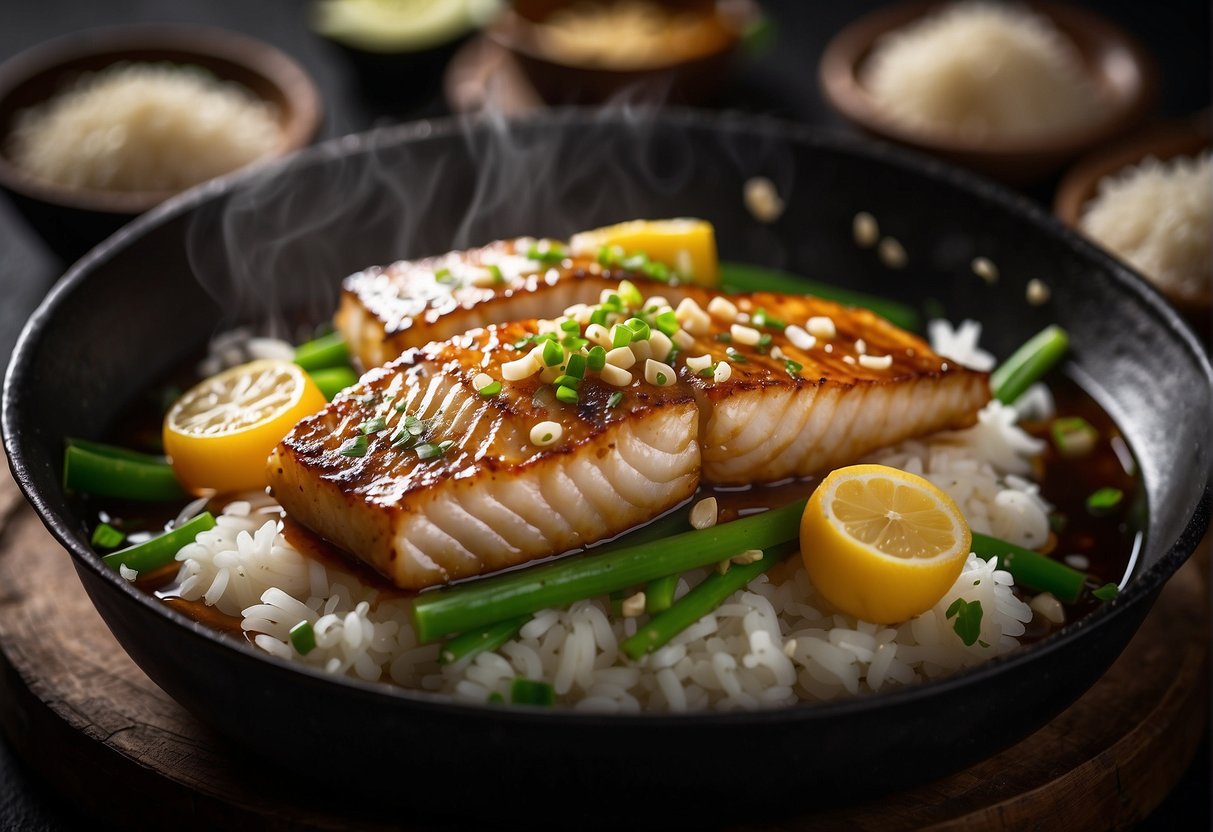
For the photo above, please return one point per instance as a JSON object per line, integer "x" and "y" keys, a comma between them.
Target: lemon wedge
{"x": 688, "y": 246}
{"x": 220, "y": 432}
{"x": 880, "y": 544}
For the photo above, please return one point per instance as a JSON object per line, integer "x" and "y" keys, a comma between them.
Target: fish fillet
{"x": 792, "y": 405}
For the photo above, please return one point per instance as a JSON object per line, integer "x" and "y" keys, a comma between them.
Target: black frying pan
{"x": 133, "y": 309}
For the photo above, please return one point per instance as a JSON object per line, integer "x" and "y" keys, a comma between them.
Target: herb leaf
{"x": 353, "y": 448}
{"x": 968, "y": 615}
{"x": 1107, "y": 592}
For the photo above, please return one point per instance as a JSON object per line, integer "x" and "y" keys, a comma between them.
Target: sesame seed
{"x": 865, "y": 230}
{"x": 722, "y": 309}
{"x": 799, "y": 338}
{"x": 704, "y": 513}
{"x": 762, "y": 200}
{"x": 745, "y": 334}
{"x": 892, "y": 253}
{"x": 984, "y": 268}
{"x": 821, "y": 326}
{"x": 633, "y": 605}
{"x": 876, "y": 362}
{"x": 1038, "y": 292}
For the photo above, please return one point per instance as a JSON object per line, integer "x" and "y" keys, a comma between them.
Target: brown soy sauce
{"x": 1108, "y": 542}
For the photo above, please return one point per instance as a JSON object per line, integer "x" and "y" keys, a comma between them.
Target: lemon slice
{"x": 880, "y": 544}
{"x": 220, "y": 432}
{"x": 688, "y": 246}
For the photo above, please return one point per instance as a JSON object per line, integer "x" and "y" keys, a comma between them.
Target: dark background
{"x": 781, "y": 82}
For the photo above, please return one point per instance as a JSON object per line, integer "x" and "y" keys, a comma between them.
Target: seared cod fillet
{"x": 425, "y": 512}
{"x": 541, "y": 436}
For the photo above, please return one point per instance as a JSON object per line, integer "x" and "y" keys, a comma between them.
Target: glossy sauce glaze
{"x": 1106, "y": 544}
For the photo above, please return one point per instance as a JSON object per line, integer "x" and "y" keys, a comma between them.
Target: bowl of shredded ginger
{"x": 1014, "y": 91}
{"x": 99, "y": 126}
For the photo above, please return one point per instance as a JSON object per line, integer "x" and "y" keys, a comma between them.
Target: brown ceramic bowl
{"x": 1186, "y": 137}
{"x": 74, "y": 219}
{"x": 1114, "y": 61}
{"x": 688, "y": 76}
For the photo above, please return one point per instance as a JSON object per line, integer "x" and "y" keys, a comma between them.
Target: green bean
{"x": 325, "y": 352}
{"x": 467, "y": 645}
{"x": 115, "y": 452}
{"x": 332, "y": 380}
{"x": 743, "y": 277}
{"x": 159, "y": 551}
{"x": 659, "y": 594}
{"x": 1029, "y": 363}
{"x": 466, "y": 607}
{"x": 1032, "y": 569}
{"x": 700, "y": 601}
{"x": 87, "y": 472}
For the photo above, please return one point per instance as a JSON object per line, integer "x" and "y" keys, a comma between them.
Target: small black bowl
{"x": 135, "y": 307}
{"x": 73, "y": 220}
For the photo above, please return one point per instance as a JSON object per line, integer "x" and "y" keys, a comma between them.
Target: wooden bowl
{"x": 684, "y": 78}
{"x": 1185, "y": 137}
{"x": 72, "y": 220}
{"x": 1114, "y": 61}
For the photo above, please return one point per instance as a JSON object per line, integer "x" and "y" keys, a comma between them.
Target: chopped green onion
{"x": 1074, "y": 436}
{"x": 570, "y": 326}
{"x": 596, "y": 360}
{"x": 764, "y": 341}
{"x": 793, "y": 367}
{"x": 1107, "y": 592}
{"x": 713, "y": 591}
{"x": 734, "y": 355}
{"x": 968, "y": 615}
{"x": 576, "y": 366}
{"x": 1032, "y": 569}
{"x": 373, "y": 426}
{"x": 552, "y": 353}
{"x": 531, "y": 692}
{"x": 656, "y": 270}
{"x": 614, "y": 302}
{"x": 123, "y": 477}
{"x": 743, "y": 277}
{"x": 621, "y": 336}
{"x": 495, "y": 698}
{"x": 614, "y": 399}
{"x": 430, "y": 450}
{"x": 303, "y": 637}
{"x": 468, "y": 606}
{"x": 491, "y": 389}
{"x": 332, "y": 380}
{"x": 495, "y": 273}
{"x": 444, "y": 275}
{"x": 639, "y": 327}
{"x": 162, "y": 550}
{"x": 467, "y": 645}
{"x": 1104, "y": 501}
{"x": 599, "y": 316}
{"x": 708, "y": 371}
{"x": 724, "y": 337}
{"x": 547, "y": 254}
{"x": 762, "y": 319}
{"x": 106, "y": 536}
{"x": 635, "y": 262}
{"x": 661, "y": 379}
{"x": 1028, "y": 363}
{"x": 567, "y": 381}
{"x": 323, "y": 353}
{"x": 567, "y": 395}
{"x": 672, "y": 356}
{"x": 574, "y": 343}
{"x": 353, "y": 448}
{"x": 667, "y": 322}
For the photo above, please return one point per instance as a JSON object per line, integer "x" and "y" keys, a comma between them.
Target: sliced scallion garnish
{"x": 596, "y": 360}
{"x": 614, "y": 399}
{"x": 491, "y": 389}
{"x": 667, "y": 322}
{"x": 640, "y": 329}
{"x": 372, "y": 426}
{"x": 553, "y": 354}
{"x": 531, "y": 692}
{"x": 354, "y": 447}
{"x": 1074, "y": 436}
{"x": 303, "y": 637}
{"x": 1104, "y": 501}
{"x": 576, "y": 366}
{"x": 567, "y": 395}
{"x": 106, "y": 536}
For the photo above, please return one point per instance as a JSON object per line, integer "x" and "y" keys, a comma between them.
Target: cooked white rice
{"x": 981, "y": 70}
{"x": 1158, "y": 216}
{"x": 143, "y": 127}
{"x": 770, "y": 644}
